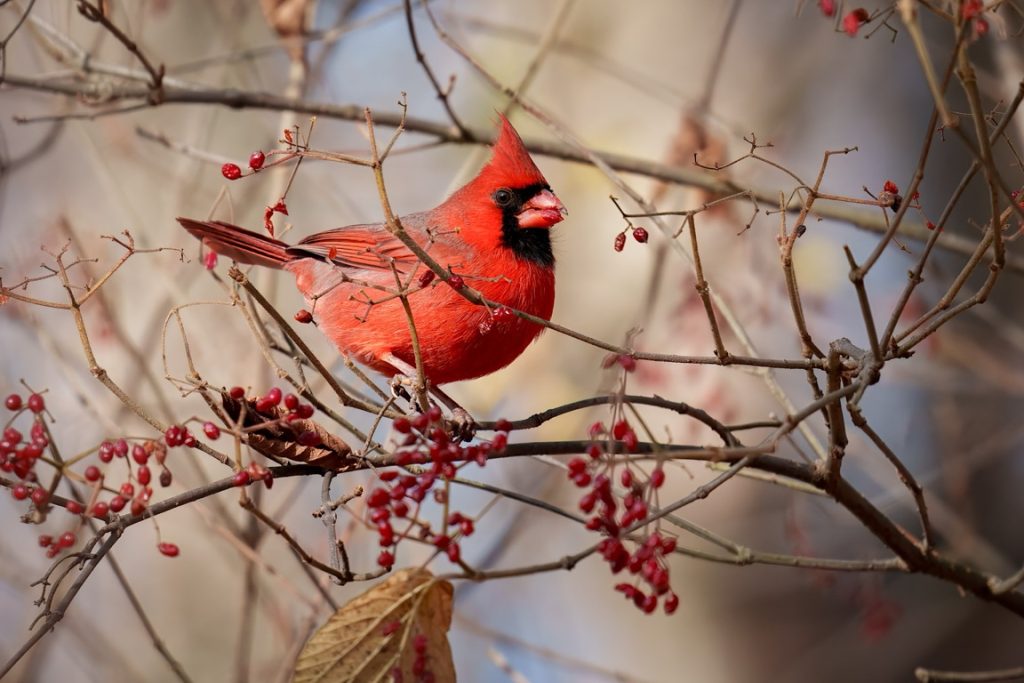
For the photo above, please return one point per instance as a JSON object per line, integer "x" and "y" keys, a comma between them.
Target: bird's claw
{"x": 461, "y": 425}
{"x": 402, "y": 387}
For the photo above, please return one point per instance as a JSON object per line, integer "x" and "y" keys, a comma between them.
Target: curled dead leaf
{"x": 400, "y": 625}
{"x": 281, "y": 439}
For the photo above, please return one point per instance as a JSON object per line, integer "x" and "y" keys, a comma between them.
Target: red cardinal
{"x": 493, "y": 233}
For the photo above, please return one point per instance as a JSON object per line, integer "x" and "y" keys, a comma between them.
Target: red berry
{"x": 890, "y": 187}
{"x": 174, "y": 436}
{"x": 20, "y": 492}
{"x": 620, "y": 241}
{"x": 211, "y": 430}
{"x": 828, "y": 7}
{"x": 74, "y": 507}
{"x": 139, "y": 455}
{"x": 231, "y": 171}
{"x": 456, "y": 282}
{"x": 453, "y": 551}
{"x": 241, "y": 478}
{"x": 419, "y": 643}
{"x": 657, "y": 478}
{"x": 640, "y": 235}
{"x": 400, "y": 509}
{"x": 256, "y": 160}
{"x": 165, "y": 477}
{"x": 852, "y": 21}
{"x": 972, "y": 8}
{"x": 626, "y": 478}
{"x": 303, "y": 316}
{"x": 385, "y": 559}
{"x": 168, "y": 549}
{"x": 13, "y": 402}
{"x": 237, "y": 393}
{"x": 117, "y": 503}
{"x": 378, "y": 498}
{"x": 619, "y": 429}
{"x": 36, "y": 403}
{"x": 127, "y": 490}
{"x": 402, "y": 425}
{"x": 100, "y": 509}
{"x": 66, "y": 540}
{"x": 143, "y": 475}
{"x": 503, "y": 313}
{"x": 138, "y": 507}
{"x": 630, "y": 441}
{"x": 45, "y": 541}
{"x": 499, "y": 442}
{"x": 671, "y": 603}
{"x": 40, "y": 497}
{"x": 210, "y": 260}
{"x": 92, "y": 473}
{"x": 628, "y": 363}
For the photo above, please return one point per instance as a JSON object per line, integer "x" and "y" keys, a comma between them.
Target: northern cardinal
{"x": 492, "y": 232}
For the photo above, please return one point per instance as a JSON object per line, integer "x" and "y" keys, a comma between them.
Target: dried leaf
{"x": 398, "y": 625}
{"x": 281, "y": 438}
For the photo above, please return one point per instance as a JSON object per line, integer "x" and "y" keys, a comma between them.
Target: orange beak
{"x": 543, "y": 210}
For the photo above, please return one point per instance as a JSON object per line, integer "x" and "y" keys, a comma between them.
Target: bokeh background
{"x": 645, "y": 79}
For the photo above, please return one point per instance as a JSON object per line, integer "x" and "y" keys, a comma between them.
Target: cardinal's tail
{"x": 244, "y": 246}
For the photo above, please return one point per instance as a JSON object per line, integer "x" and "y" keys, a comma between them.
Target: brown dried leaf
{"x": 355, "y": 644}
{"x": 281, "y": 439}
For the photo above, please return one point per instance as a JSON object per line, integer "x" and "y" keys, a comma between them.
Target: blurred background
{"x": 657, "y": 80}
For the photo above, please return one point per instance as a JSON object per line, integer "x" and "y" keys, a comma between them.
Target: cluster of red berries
{"x": 54, "y": 546}
{"x": 20, "y": 459}
{"x": 972, "y": 10}
{"x": 613, "y": 516}
{"x": 419, "y": 662}
{"x": 234, "y": 172}
{"x": 280, "y": 407}
{"x": 499, "y": 314}
{"x": 18, "y": 456}
{"x": 648, "y": 562}
{"x": 425, "y": 443}
{"x": 639, "y": 234}
{"x": 891, "y": 192}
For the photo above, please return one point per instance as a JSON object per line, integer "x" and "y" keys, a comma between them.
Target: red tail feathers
{"x": 238, "y": 243}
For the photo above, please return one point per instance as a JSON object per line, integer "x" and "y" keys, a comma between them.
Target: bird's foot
{"x": 461, "y": 425}
{"x": 403, "y": 386}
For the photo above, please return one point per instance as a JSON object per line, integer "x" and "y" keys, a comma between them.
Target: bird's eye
{"x": 503, "y": 197}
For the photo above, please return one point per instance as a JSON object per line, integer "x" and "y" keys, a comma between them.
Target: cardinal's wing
{"x": 357, "y": 246}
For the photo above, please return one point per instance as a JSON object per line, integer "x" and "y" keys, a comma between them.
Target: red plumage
{"x": 493, "y": 232}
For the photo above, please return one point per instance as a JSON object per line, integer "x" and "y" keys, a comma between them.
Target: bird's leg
{"x": 461, "y": 424}
{"x": 406, "y": 382}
